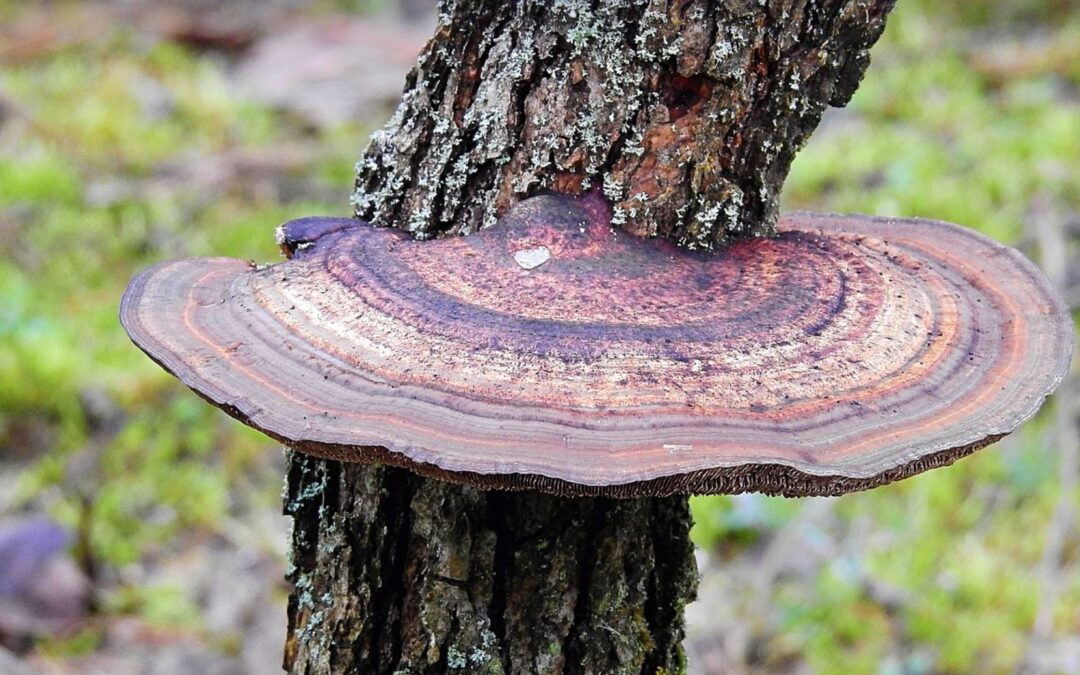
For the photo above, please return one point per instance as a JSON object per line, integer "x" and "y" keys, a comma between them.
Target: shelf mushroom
{"x": 557, "y": 353}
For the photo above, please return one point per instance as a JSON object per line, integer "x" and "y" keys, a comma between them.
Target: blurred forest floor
{"x": 140, "y": 529}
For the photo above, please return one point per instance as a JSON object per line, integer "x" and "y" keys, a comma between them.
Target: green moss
{"x": 928, "y": 134}
{"x": 98, "y": 124}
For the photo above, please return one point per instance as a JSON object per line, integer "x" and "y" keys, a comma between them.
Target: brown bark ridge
{"x": 687, "y": 115}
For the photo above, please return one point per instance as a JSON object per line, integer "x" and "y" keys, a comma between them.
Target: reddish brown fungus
{"x": 553, "y": 352}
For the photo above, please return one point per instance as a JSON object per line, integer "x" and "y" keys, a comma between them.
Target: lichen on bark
{"x": 687, "y": 114}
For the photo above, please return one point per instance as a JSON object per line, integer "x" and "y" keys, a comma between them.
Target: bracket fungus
{"x": 554, "y": 352}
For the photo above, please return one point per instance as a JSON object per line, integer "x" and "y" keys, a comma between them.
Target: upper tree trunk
{"x": 687, "y": 115}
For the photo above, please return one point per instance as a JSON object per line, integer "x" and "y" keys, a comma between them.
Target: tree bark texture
{"x": 399, "y": 574}
{"x": 686, "y": 115}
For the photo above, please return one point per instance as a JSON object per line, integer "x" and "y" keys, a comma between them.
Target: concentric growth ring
{"x": 555, "y": 352}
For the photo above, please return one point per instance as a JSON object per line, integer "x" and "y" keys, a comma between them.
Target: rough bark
{"x": 686, "y": 114}
{"x": 399, "y": 574}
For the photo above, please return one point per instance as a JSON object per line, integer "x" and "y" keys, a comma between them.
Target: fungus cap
{"x": 556, "y": 353}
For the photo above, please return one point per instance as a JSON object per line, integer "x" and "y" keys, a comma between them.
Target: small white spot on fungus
{"x": 531, "y": 258}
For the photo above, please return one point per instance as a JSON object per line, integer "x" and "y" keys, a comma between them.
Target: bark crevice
{"x": 503, "y": 562}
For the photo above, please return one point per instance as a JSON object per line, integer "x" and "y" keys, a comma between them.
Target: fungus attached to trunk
{"x": 557, "y": 353}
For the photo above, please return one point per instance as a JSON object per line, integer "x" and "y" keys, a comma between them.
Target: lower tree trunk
{"x": 399, "y": 574}
{"x": 686, "y": 114}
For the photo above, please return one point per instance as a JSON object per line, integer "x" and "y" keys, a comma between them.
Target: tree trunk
{"x": 686, "y": 114}
{"x": 400, "y": 574}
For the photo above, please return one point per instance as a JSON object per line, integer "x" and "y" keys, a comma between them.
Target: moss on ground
{"x": 100, "y": 158}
